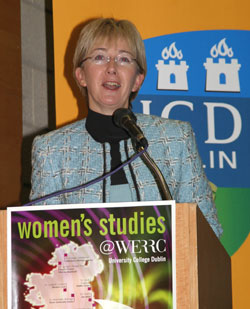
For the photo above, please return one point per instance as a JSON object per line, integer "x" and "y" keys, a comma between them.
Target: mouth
{"x": 111, "y": 85}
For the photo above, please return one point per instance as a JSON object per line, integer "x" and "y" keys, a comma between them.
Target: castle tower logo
{"x": 172, "y": 75}
{"x": 222, "y": 76}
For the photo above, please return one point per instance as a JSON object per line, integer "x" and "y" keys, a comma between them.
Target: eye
{"x": 124, "y": 59}
{"x": 99, "y": 57}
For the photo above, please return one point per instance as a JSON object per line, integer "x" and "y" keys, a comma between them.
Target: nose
{"x": 111, "y": 66}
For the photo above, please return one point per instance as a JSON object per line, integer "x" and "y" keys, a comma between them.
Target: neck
{"x": 102, "y": 128}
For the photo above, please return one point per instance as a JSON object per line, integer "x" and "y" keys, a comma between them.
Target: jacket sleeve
{"x": 194, "y": 182}
{"x": 42, "y": 178}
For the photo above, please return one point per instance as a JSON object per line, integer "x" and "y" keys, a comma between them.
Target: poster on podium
{"x": 102, "y": 256}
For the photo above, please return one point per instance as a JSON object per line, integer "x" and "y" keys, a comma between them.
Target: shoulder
{"x": 155, "y": 125}
{"x": 59, "y": 136}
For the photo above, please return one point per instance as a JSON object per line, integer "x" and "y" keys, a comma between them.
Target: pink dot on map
{"x": 90, "y": 299}
{"x": 65, "y": 254}
{"x": 65, "y": 290}
{"x": 72, "y": 295}
{"x": 89, "y": 288}
{"x": 60, "y": 263}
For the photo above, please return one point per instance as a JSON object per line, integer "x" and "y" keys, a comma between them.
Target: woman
{"x": 109, "y": 68}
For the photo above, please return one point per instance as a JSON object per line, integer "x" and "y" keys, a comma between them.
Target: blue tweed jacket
{"x": 69, "y": 157}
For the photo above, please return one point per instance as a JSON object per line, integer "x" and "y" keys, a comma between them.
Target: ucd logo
{"x": 203, "y": 77}
{"x": 172, "y": 75}
{"x": 222, "y": 76}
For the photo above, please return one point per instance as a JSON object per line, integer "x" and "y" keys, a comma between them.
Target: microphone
{"x": 124, "y": 118}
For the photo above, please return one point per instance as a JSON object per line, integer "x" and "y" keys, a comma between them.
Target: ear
{"x": 80, "y": 76}
{"x": 138, "y": 82}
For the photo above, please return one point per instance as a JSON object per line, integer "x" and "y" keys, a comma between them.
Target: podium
{"x": 203, "y": 267}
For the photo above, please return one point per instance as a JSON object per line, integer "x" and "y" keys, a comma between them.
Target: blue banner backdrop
{"x": 203, "y": 77}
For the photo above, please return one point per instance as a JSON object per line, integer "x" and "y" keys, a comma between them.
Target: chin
{"x": 114, "y": 105}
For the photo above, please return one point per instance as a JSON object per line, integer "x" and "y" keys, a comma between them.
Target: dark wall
{"x": 10, "y": 102}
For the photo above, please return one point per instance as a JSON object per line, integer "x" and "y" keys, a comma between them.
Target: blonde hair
{"x": 111, "y": 29}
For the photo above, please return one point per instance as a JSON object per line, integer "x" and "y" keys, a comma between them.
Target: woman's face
{"x": 109, "y": 84}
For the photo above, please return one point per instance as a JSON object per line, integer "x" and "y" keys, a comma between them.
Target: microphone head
{"x": 124, "y": 118}
{"x": 122, "y": 114}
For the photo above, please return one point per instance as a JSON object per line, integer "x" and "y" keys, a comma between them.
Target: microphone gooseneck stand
{"x": 126, "y": 119}
{"x": 160, "y": 180}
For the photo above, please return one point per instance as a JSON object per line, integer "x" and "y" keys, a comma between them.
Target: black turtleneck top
{"x": 103, "y": 130}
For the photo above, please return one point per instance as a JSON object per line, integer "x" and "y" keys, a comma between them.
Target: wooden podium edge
{"x": 3, "y": 259}
{"x": 203, "y": 267}
{"x": 186, "y": 257}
